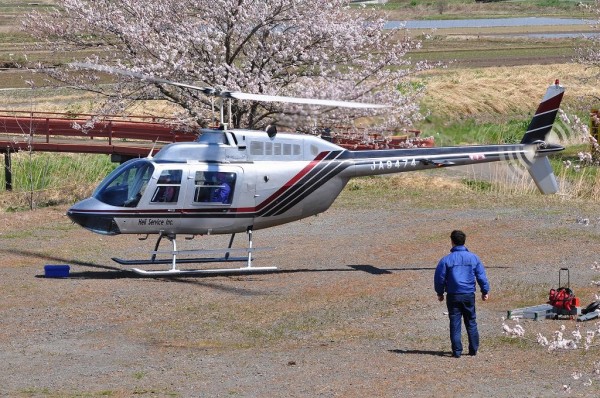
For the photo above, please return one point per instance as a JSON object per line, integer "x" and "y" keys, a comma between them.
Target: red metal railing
{"x": 58, "y": 132}
{"x": 134, "y": 136}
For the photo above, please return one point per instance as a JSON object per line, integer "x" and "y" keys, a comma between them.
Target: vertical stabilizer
{"x": 544, "y": 117}
{"x": 539, "y": 167}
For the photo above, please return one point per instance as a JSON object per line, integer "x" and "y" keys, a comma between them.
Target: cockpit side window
{"x": 167, "y": 187}
{"x": 214, "y": 187}
{"x": 126, "y": 185}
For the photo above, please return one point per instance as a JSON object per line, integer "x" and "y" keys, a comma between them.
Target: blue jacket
{"x": 457, "y": 272}
{"x": 221, "y": 194}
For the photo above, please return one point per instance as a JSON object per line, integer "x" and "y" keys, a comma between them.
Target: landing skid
{"x": 220, "y": 271}
{"x": 174, "y": 271}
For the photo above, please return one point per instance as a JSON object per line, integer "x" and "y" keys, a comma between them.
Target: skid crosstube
{"x": 174, "y": 260}
{"x": 179, "y": 260}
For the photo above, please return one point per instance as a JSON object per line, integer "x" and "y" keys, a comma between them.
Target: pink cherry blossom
{"x": 301, "y": 48}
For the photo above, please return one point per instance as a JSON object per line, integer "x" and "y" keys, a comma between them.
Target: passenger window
{"x": 214, "y": 187}
{"x": 167, "y": 187}
{"x": 256, "y": 148}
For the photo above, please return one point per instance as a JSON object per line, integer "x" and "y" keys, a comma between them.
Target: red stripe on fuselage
{"x": 313, "y": 163}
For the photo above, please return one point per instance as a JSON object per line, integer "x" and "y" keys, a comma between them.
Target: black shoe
{"x": 456, "y": 355}
{"x": 472, "y": 353}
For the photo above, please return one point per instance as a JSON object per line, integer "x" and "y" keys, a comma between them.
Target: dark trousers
{"x": 462, "y": 306}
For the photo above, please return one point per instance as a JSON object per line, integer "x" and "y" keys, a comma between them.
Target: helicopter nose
{"x": 89, "y": 218}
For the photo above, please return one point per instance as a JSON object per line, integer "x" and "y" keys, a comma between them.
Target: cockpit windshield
{"x": 126, "y": 184}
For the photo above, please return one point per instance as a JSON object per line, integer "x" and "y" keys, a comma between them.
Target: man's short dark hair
{"x": 458, "y": 237}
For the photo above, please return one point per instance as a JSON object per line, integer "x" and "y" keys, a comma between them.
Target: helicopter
{"x": 234, "y": 181}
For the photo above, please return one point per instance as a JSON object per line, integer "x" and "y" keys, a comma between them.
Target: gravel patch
{"x": 350, "y": 313}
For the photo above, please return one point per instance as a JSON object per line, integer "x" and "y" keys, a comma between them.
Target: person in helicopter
{"x": 220, "y": 194}
{"x": 167, "y": 193}
{"x": 217, "y": 125}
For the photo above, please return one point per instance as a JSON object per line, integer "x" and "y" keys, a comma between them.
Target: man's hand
{"x": 440, "y": 297}
{"x": 484, "y": 297}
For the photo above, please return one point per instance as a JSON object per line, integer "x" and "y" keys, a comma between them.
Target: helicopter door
{"x": 158, "y": 207}
{"x": 167, "y": 199}
{"x": 213, "y": 198}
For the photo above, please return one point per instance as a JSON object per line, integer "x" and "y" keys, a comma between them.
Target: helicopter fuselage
{"x": 269, "y": 181}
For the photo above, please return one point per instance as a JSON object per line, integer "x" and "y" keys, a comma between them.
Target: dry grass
{"x": 406, "y": 180}
{"x": 585, "y": 184}
{"x": 489, "y": 92}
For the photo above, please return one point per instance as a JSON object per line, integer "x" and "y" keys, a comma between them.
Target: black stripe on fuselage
{"x": 315, "y": 178}
{"x": 332, "y": 169}
{"x": 422, "y": 152}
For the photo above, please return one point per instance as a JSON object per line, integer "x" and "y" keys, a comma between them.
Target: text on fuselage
{"x": 155, "y": 221}
{"x": 393, "y": 164}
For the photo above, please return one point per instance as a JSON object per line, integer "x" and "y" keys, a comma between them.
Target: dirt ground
{"x": 350, "y": 313}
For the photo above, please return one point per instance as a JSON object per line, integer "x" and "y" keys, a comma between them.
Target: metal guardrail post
{"x": 7, "y": 171}
{"x": 47, "y": 130}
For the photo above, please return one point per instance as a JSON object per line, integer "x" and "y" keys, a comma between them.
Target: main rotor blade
{"x": 141, "y": 76}
{"x": 227, "y": 94}
{"x": 297, "y": 100}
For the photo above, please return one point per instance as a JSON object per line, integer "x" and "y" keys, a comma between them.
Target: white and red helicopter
{"x": 235, "y": 180}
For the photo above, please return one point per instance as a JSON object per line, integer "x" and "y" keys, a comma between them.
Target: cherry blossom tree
{"x": 321, "y": 49}
{"x": 589, "y": 53}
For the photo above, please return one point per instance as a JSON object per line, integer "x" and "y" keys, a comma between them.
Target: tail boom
{"x": 532, "y": 151}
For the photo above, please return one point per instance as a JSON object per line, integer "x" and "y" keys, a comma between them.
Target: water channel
{"x": 487, "y": 23}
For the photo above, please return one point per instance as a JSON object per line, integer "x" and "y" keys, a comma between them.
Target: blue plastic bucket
{"x": 56, "y": 271}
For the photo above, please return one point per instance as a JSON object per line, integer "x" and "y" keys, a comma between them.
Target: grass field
{"x": 466, "y": 9}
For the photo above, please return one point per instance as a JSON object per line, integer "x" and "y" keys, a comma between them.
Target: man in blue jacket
{"x": 456, "y": 274}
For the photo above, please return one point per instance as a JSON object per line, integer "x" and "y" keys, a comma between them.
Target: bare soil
{"x": 350, "y": 313}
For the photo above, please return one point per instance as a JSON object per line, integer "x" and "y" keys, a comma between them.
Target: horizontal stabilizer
{"x": 542, "y": 174}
